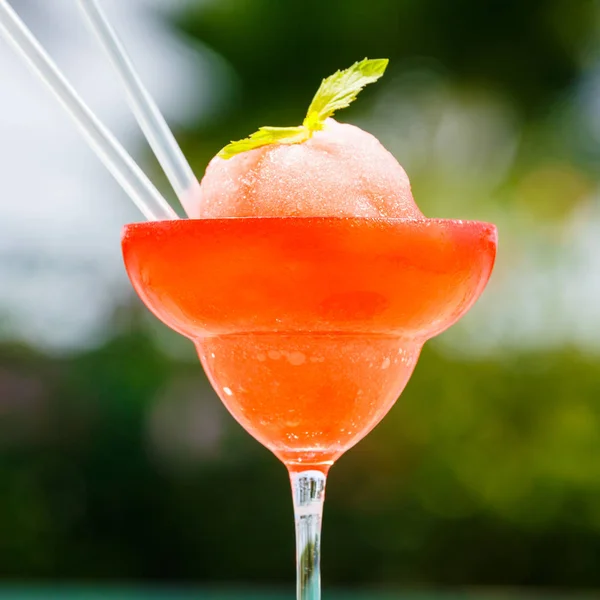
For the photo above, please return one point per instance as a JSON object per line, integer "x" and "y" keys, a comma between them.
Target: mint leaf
{"x": 265, "y": 136}
{"x": 335, "y": 92}
{"x": 341, "y": 89}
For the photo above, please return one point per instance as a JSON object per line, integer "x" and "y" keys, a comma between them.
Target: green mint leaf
{"x": 341, "y": 89}
{"x": 265, "y": 136}
{"x": 336, "y": 92}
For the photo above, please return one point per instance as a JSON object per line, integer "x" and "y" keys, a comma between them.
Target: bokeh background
{"x": 118, "y": 464}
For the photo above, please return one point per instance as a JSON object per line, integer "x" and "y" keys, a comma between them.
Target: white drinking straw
{"x": 131, "y": 178}
{"x": 149, "y": 117}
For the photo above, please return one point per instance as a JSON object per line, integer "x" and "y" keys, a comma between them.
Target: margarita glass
{"x": 309, "y": 328}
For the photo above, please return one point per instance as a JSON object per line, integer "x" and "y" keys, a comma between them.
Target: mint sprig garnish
{"x": 265, "y": 136}
{"x": 336, "y": 92}
{"x": 341, "y": 89}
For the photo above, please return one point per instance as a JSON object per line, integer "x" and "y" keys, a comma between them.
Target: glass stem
{"x": 308, "y": 489}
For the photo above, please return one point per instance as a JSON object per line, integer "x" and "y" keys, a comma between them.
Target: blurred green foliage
{"x": 484, "y": 473}
{"x": 526, "y": 51}
{"x": 120, "y": 463}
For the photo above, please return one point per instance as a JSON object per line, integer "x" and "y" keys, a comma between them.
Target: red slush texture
{"x": 309, "y": 328}
{"x": 341, "y": 171}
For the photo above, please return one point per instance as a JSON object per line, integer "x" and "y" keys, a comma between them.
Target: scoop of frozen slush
{"x": 340, "y": 171}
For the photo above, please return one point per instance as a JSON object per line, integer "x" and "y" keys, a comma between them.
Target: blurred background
{"x": 118, "y": 464}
